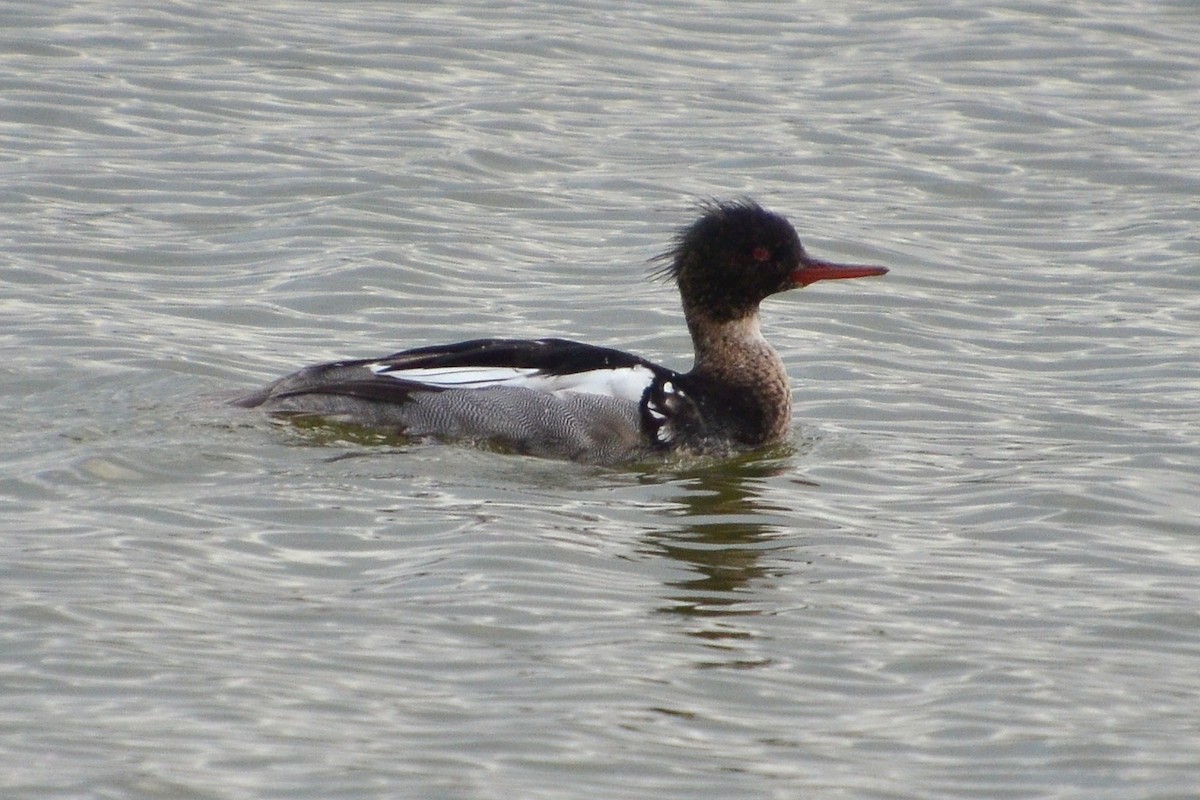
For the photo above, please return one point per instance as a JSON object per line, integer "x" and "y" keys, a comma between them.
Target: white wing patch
{"x": 628, "y": 383}
{"x": 457, "y": 377}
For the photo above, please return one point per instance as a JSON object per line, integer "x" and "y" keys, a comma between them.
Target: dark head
{"x": 738, "y": 254}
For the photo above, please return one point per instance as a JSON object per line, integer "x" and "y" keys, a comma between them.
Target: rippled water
{"x": 974, "y": 573}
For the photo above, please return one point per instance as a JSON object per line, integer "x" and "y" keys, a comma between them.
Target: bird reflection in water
{"x": 725, "y": 529}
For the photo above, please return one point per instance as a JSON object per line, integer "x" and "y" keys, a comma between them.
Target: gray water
{"x": 973, "y": 573}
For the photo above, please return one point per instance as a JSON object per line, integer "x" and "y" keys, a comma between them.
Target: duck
{"x": 564, "y": 399}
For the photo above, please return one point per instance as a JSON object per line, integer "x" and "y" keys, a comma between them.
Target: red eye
{"x": 760, "y": 253}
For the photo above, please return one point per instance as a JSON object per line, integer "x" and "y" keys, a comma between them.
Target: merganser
{"x": 564, "y": 399}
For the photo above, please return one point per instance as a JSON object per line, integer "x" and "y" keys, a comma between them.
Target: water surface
{"x": 972, "y": 574}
